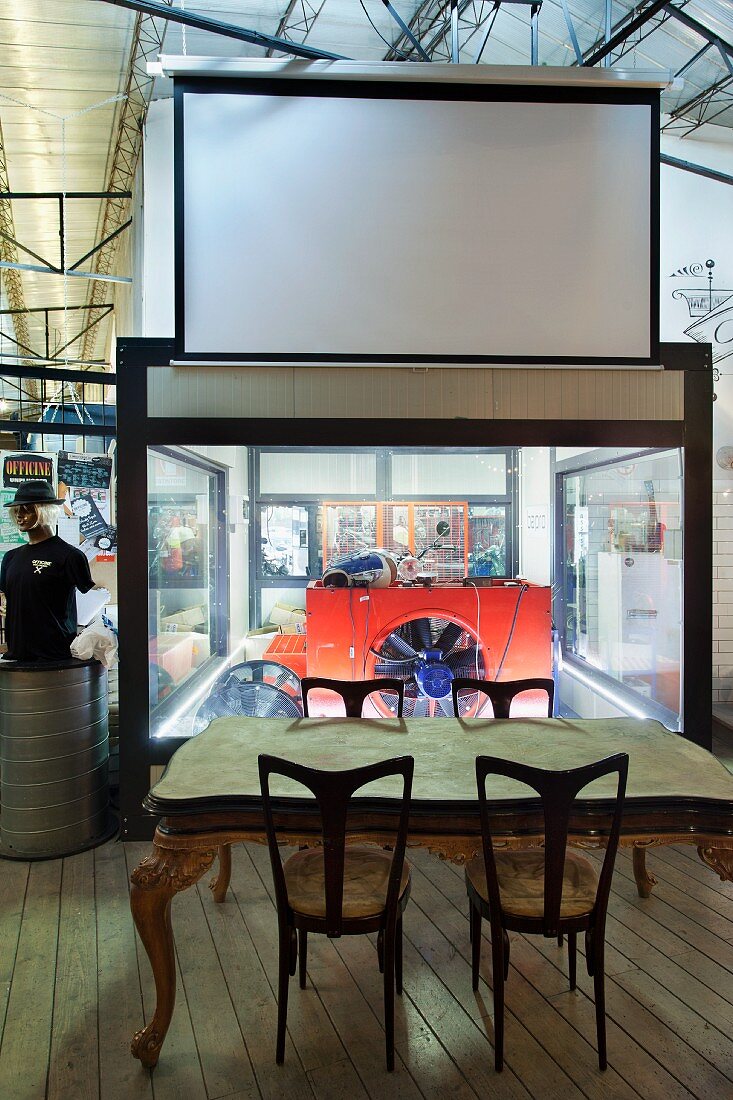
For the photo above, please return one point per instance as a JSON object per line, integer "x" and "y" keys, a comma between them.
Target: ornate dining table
{"x": 209, "y": 798}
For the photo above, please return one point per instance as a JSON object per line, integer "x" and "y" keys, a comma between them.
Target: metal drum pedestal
{"x": 54, "y": 751}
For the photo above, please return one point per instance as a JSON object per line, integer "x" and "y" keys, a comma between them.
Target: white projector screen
{"x": 340, "y": 226}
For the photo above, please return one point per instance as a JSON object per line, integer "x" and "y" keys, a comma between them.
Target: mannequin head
{"x": 35, "y": 510}
{"x": 38, "y": 521}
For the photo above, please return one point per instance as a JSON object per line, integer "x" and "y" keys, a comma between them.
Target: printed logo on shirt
{"x": 39, "y": 565}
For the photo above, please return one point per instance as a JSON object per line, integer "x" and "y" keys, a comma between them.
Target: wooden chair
{"x": 502, "y": 692}
{"x": 337, "y": 890}
{"x": 353, "y": 692}
{"x": 548, "y": 891}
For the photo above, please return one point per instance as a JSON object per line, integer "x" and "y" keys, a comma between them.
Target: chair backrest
{"x": 353, "y": 692}
{"x": 333, "y": 790}
{"x": 501, "y": 692}
{"x": 558, "y": 791}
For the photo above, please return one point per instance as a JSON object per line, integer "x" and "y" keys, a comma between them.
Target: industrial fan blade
{"x": 462, "y": 662}
{"x": 421, "y": 708}
{"x": 448, "y": 638}
{"x": 420, "y": 633}
{"x": 400, "y": 644}
{"x": 446, "y": 706}
{"x": 260, "y": 672}
{"x": 402, "y": 670}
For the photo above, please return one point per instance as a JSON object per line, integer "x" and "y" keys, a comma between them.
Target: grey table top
{"x": 222, "y": 761}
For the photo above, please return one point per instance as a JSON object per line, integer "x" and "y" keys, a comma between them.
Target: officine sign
{"x": 27, "y": 467}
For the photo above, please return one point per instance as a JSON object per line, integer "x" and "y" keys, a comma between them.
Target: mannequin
{"x": 39, "y": 580}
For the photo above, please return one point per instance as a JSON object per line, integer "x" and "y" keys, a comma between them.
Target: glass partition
{"x": 186, "y": 566}
{"x": 620, "y": 548}
{"x": 490, "y": 550}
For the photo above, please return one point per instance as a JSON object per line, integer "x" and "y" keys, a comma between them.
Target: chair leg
{"x": 589, "y": 953}
{"x": 380, "y": 950}
{"x": 572, "y": 957}
{"x": 559, "y": 939}
{"x": 475, "y": 946}
{"x": 398, "y": 956}
{"x": 497, "y": 966}
{"x": 389, "y": 984}
{"x": 507, "y": 948}
{"x": 284, "y": 952}
{"x": 302, "y": 955}
{"x": 293, "y": 960}
{"x": 599, "y": 989}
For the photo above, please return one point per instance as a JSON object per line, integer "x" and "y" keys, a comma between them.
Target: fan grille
{"x": 244, "y": 699}
{"x": 396, "y": 654}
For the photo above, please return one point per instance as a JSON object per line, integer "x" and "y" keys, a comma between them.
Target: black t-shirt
{"x": 39, "y": 582}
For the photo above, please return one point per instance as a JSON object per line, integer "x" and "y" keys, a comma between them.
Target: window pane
{"x": 284, "y": 541}
{"x": 182, "y": 567}
{"x": 487, "y": 540}
{"x": 324, "y": 473}
{"x": 623, "y": 573}
{"x": 454, "y": 476}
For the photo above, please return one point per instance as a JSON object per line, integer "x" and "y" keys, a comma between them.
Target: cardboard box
{"x": 285, "y": 614}
{"x": 187, "y": 617}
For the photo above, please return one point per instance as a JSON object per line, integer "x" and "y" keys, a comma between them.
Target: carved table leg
{"x": 220, "y": 883}
{"x": 720, "y": 860}
{"x": 644, "y": 880}
{"x": 155, "y": 882}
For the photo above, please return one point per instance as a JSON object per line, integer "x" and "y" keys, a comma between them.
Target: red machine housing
{"x": 343, "y": 625}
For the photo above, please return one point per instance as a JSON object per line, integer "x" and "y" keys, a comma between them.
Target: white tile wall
{"x": 723, "y": 594}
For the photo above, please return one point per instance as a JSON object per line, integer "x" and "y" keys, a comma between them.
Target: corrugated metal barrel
{"x": 54, "y": 750}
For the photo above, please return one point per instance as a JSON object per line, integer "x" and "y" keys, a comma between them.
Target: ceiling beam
{"x": 698, "y": 28}
{"x": 623, "y": 30}
{"x": 301, "y": 24}
{"x": 405, "y": 28}
{"x": 697, "y": 169}
{"x": 12, "y": 279}
{"x": 156, "y": 9}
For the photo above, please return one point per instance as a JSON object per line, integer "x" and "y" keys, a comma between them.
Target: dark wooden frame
{"x": 558, "y": 790}
{"x": 333, "y": 792}
{"x": 136, "y": 431}
{"x": 501, "y": 692}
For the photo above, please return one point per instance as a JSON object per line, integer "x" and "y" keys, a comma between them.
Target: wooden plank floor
{"x": 76, "y": 984}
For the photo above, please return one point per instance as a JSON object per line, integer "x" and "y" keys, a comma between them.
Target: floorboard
{"x": 74, "y": 1060}
{"x": 76, "y": 984}
{"x": 26, "y": 1040}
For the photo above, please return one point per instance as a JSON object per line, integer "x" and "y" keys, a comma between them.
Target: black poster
{"x": 30, "y": 467}
{"x": 91, "y": 520}
{"x": 84, "y": 471}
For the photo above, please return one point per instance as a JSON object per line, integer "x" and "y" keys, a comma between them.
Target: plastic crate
{"x": 288, "y": 650}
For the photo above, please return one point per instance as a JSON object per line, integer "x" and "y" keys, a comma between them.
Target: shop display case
{"x": 620, "y": 549}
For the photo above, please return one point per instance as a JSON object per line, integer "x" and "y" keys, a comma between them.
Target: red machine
{"x": 428, "y": 635}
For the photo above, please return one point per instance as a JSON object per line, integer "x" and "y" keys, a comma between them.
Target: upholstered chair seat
{"x": 366, "y": 876}
{"x": 521, "y": 876}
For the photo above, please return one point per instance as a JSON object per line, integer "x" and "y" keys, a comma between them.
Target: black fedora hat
{"x": 33, "y": 492}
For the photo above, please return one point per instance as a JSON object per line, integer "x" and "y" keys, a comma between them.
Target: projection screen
{"x": 400, "y": 223}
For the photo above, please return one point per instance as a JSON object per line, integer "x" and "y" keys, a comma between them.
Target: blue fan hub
{"x": 432, "y": 674}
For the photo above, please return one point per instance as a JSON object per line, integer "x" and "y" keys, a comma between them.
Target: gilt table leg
{"x": 155, "y": 882}
{"x": 220, "y": 883}
{"x": 719, "y": 859}
{"x": 644, "y": 880}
